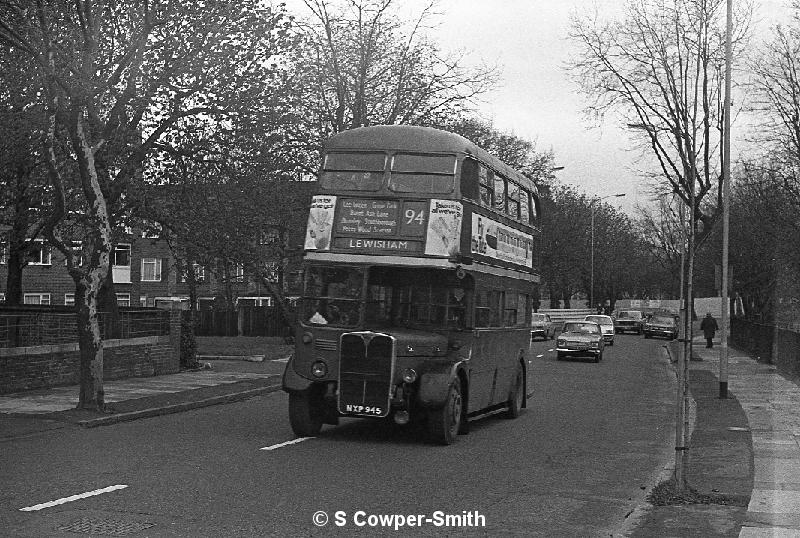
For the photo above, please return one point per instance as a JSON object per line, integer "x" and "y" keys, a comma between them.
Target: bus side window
{"x": 496, "y": 308}
{"x": 469, "y": 178}
{"x": 510, "y": 310}
{"x": 499, "y": 193}
{"x": 512, "y": 200}
{"x": 482, "y": 307}
{"x": 486, "y": 185}
{"x": 524, "y": 206}
{"x": 522, "y": 309}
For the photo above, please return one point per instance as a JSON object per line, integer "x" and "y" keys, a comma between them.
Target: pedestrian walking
{"x": 709, "y": 327}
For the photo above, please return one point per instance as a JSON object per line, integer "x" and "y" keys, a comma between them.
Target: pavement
{"x": 217, "y": 382}
{"x": 742, "y": 464}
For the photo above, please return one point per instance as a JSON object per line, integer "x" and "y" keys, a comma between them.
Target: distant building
{"x": 146, "y": 273}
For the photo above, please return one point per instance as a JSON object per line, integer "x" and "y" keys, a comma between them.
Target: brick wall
{"x": 26, "y": 368}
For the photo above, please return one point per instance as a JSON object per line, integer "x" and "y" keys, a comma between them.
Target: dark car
{"x": 661, "y": 326}
{"x": 580, "y": 339}
{"x": 629, "y": 320}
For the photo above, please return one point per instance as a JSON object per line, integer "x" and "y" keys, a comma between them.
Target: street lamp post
{"x": 591, "y": 253}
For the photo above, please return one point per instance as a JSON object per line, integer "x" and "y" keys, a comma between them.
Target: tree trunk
{"x": 107, "y": 304}
{"x": 14, "y": 277}
{"x": 91, "y": 395}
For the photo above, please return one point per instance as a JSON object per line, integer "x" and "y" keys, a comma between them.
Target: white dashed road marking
{"x": 72, "y": 498}
{"x": 539, "y": 356}
{"x": 287, "y": 443}
{"x": 285, "y": 359}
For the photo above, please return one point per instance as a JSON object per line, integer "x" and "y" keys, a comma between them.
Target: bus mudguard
{"x": 292, "y": 381}
{"x": 434, "y": 382}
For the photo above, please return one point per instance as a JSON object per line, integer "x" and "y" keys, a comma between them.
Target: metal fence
{"x": 42, "y": 326}
{"x": 778, "y": 344}
{"x": 244, "y": 321}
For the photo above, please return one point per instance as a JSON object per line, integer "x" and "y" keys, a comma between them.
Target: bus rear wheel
{"x": 445, "y": 422}
{"x": 305, "y": 414}
{"x": 517, "y": 397}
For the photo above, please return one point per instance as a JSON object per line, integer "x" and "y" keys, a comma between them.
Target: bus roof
{"x": 419, "y": 139}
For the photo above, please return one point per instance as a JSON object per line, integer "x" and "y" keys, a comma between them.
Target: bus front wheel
{"x": 444, "y": 422}
{"x": 516, "y": 398}
{"x": 305, "y": 414}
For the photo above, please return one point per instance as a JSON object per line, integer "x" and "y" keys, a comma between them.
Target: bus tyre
{"x": 444, "y": 422}
{"x": 305, "y": 416}
{"x": 517, "y": 397}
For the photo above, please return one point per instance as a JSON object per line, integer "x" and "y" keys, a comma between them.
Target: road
{"x": 575, "y": 463}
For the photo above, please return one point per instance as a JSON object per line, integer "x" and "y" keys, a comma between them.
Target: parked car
{"x": 542, "y": 325}
{"x": 629, "y": 320}
{"x": 606, "y": 326}
{"x": 580, "y": 338}
{"x": 661, "y": 326}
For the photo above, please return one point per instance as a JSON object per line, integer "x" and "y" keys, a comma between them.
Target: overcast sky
{"x": 536, "y": 99}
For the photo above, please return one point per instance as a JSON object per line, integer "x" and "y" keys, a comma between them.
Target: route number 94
{"x": 414, "y": 216}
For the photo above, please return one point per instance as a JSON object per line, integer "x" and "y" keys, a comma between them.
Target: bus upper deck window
{"x": 421, "y": 173}
{"x": 499, "y": 193}
{"x": 524, "y": 206}
{"x": 486, "y": 182}
{"x": 513, "y": 201}
{"x": 353, "y": 171}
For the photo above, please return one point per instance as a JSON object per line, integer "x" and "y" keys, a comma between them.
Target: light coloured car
{"x": 542, "y": 325}
{"x": 606, "y": 326}
{"x": 580, "y": 338}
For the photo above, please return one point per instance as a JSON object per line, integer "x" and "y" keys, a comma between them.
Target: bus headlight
{"x": 409, "y": 375}
{"x": 319, "y": 369}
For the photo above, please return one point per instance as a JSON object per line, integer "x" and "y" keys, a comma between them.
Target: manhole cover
{"x": 107, "y": 527}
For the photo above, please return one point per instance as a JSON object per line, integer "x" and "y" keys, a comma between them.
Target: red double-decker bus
{"x": 420, "y": 270}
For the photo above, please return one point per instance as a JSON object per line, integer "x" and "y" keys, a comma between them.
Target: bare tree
{"x": 777, "y": 90}
{"x": 363, "y": 64}
{"x": 661, "y": 70}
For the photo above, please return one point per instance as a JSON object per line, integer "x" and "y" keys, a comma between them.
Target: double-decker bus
{"x": 420, "y": 269}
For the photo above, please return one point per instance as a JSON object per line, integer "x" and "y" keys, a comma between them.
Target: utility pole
{"x": 726, "y": 179}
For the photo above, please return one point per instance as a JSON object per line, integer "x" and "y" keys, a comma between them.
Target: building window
{"x": 77, "y": 253}
{"x": 121, "y": 256}
{"x": 3, "y": 253}
{"x": 143, "y": 300}
{"x": 152, "y": 231}
{"x": 40, "y": 255}
{"x": 36, "y": 298}
{"x": 234, "y": 272}
{"x": 123, "y": 299}
{"x": 199, "y": 273}
{"x": 121, "y": 263}
{"x": 151, "y": 269}
{"x": 254, "y": 301}
{"x": 2, "y": 297}
{"x": 69, "y": 299}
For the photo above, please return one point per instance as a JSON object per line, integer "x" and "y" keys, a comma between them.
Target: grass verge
{"x": 668, "y": 493}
